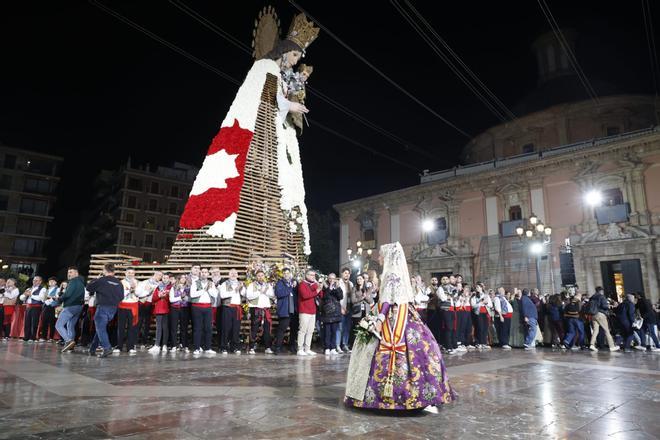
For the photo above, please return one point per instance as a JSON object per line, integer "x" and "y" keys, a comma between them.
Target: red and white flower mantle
{"x": 215, "y": 196}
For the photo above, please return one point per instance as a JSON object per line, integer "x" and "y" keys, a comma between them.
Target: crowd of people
{"x": 109, "y": 315}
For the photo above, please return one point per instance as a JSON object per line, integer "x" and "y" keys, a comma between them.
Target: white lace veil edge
{"x": 395, "y": 286}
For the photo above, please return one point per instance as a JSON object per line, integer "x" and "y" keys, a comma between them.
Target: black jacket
{"x": 603, "y": 305}
{"x": 647, "y": 312}
{"x": 108, "y": 291}
{"x": 330, "y": 306}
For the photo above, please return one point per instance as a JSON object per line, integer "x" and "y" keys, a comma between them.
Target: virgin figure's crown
{"x": 302, "y": 31}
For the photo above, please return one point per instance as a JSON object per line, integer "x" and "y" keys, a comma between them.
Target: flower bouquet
{"x": 366, "y": 329}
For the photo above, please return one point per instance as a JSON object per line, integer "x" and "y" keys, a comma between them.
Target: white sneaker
{"x": 42, "y": 340}
{"x": 471, "y": 347}
{"x": 333, "y": 351}
{"x": 154, "y": 350}
{"x": 224, "y": 352}
{"x": 209, "y": 351}
{"x": 310, "y": 353}
{"x": 615, "y": 348}
{"x": 486, "y": 347}
{"x": 655, "y": 349}
{"x": 115, "y": 351}
{"x": 186, "y": 350}
{"x": 575, "y": 347}
{"x": 302, "y": 353}
{"x": 237, "y": 352}
{"x": 197, "y": 352}
{"x": 268, "y": 351}
{"x": 639, "y": 347}
{"x": 251, "y": 351}
{"x": 172, "y": 350}
{"x": 132, "y": 351}
{"x": 339, "y": 350}
{"x": 327, "y": 351}
{"x": 506, "y": 347}
{"x": 593, "y": 348}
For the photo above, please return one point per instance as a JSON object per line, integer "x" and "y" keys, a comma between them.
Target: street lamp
{"x": 428, "y": 225}
{"x": 593, "y": 198}
{"x": 538, "y": 236}
{"x": 355, "y": 257}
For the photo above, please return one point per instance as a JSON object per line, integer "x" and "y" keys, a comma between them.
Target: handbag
{"x": 356, "y": 308}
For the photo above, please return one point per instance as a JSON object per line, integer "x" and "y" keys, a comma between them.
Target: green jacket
{"x": 74, "y": 295}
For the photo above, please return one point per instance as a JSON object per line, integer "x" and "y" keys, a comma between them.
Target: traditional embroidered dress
{"x": 405, "y": 369}
{"x": 8, "y": 299}
{"x": 259, "y": 297}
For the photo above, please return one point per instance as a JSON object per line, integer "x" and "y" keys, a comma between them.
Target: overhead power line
{"x": 378, "y": 71}
{"x": 233, "y": 80}
{"x": 501, "y": 107}
{"x": 312, "y": 90}
{"x": 568, "y": 51}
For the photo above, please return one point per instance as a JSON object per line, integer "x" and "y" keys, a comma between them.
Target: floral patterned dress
{"x": 407, "y": 370}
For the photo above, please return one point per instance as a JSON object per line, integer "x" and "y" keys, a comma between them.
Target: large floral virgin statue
{"x": 402, "y": 370}
{"x": 249, "y": 196}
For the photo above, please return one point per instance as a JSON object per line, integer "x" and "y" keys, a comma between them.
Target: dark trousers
{"x": 231, "y": 329}
{"x": 162, "y": 329}
{"x": 423, "y": 315}
{"x": 282, "y": 325}
{"x": 557, "y": 331}
{"x": 144, "y": 323}
{"x": 294, "y": 326}
{"x": 447, "y": 328}
{"x": 202, "y": 327}
{"x": 126, "y": 331}
{"x": 330, "y": 337}
{"x": 185, "y": 318}
{"x": 102, "y": 317}
{"x": 31, "y": 323}
{"x": 258, "y": 319}
{"x": 482, "y": 328}
{"x": 48, "y": 323}
{"x": 464, "y": 327}
{"x": 503, "y": 330}
{"x": 433, "y": 323}
{"x": 218, "y": 324}
{"x": 173, "y": 318}
{"x": 85, "y": 328}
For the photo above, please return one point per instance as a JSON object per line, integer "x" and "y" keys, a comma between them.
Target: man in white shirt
{"x": 144, "y": 292}
{"x": 202, "y": 296}
{"x": 48, "y": 314}
{"x": 33, "y": 298}
{"x": 216, "y": 309}
{"x": 231, "y": 293}
{"x": 8, "y": 298}
{"x": 503, "y": 314}
{"x": 258, "y": 295}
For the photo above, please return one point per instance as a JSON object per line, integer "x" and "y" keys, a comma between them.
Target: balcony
{"x": 508, "y": 228}
{"x": 612, "y": 214}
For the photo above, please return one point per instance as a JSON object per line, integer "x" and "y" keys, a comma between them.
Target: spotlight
{"x": 536, "y": 248}
{"x": 357, "y": 264}
{"x": 428, "y": 225}
{"x": 593, "y": 197}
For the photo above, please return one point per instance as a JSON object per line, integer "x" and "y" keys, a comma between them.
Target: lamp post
{"x": 355, "y": 258}
{"x": 537, "y": 236}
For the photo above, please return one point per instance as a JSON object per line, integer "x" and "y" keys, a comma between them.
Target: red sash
{"x": 508, "y": 315}
{"x": 33, "y": 306}
{"x": 202, "y": 305}
{"x": 133, "y": 307}
{"x": 9, "y": 312}
{"x": 468, "y": 308}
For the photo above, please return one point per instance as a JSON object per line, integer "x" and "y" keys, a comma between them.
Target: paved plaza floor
{"x": 515, "y": 394}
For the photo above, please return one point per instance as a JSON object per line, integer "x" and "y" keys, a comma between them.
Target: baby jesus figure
{"x": 295, "y": 82}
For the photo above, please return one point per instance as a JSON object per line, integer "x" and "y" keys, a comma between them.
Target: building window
{"x": 25, "y": 246}
{"x": 612, "y": 196}
{"x": 10, "y": 161}
{"x": 34, "y": 206}
{"x": 528, "y": 148}
{"x": 438, "y": 234}
{"x": 171, "y": 225}
{"x": 40, "y": 186}
{"x": 5, "y": 182}
{"x": 369, "y": 235}
{"x": 174, "y": 191}
{"x": 154, "y": 188}
{"x": 127, "y": 238}
{"x": 612, "y": 130}
{"x": 150, "y": 222}
{"x": 169, "y": 241}
{"x": 147, "y": 256}
{"x": 134, "y": 184}
{"x": 129, "y": 217}
{"x": 2, "y": 224}
{"x": 515, "y": 213}
{"x": 153, "y": 205}
{"x": 4, "y": 201}
{"x": 174, "y": 208}
{"x": 148, "y": 240}
{"x": 30, "y": 227}
{"x": 131, "y": 202}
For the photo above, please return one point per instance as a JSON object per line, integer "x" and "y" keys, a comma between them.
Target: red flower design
{"x": 216, "y": 204}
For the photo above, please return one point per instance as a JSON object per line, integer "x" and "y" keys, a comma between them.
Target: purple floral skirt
{"x": 419, "y": 374}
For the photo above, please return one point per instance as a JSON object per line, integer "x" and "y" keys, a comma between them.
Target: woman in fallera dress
{"x": 403, "y": 370}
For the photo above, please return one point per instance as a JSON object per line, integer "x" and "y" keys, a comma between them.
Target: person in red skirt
{"x": 8, "y": 297}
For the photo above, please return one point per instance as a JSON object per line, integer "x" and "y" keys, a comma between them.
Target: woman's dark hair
{"x": 282, "y": 47}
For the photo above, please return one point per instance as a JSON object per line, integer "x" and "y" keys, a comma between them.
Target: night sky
{"x": 77, "y": 82}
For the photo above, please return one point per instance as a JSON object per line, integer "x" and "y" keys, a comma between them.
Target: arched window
{"x": 438, "y": 234}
